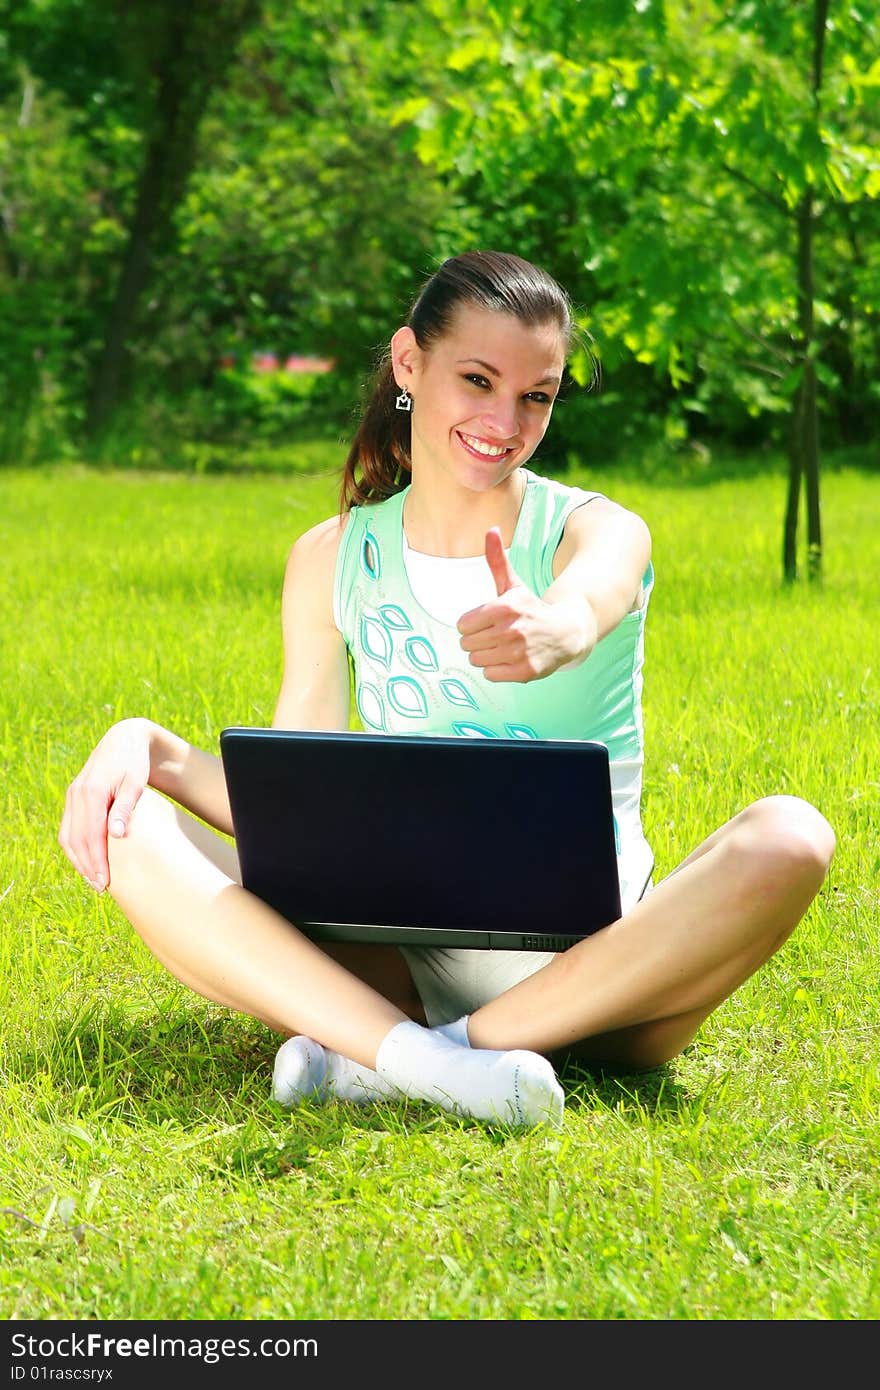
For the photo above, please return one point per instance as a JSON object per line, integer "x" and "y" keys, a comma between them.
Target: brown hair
{"x": 378, "y": 462}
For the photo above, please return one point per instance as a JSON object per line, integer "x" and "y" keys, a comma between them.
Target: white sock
{"x": 299, "y": 1071}
{"x": 517, "y": 1087}
{"x": 348, "y": 1080}
{"x": 456, "y": 1032}
{"x": 303, "y": 1068}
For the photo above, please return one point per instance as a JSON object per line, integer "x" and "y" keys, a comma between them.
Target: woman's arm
{"x": 190, "y": 776}
{"x": 136, "y": 753}
{"x": 598, "y": 569}
{"x": 315, "y": 688}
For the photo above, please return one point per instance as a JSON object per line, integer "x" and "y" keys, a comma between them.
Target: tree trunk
{"x": 806, "y": 409}
{"x": 793, "y": 502}
{"x": 804, "y": 435}
{"x": 200, "y": 40}
{"x": 151, "y": 219}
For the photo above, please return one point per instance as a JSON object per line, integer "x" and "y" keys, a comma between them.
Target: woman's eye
{"x": 535, "y": 397}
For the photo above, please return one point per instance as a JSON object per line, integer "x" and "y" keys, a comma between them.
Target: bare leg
{"x": 384, "y": 969}
{"x": 222, "y": 941}
{"x": 178, "y": 884}
{"x": 637, "y": 991}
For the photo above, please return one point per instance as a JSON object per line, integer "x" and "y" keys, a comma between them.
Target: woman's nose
{"x": 502, "y": 418}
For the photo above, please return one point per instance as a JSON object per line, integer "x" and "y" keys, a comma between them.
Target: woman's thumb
{"x": 122, "y": 806}
{"x": 498, "y": 563}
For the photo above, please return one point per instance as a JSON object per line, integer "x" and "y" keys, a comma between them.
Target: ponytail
{"x": 378, "y": 463}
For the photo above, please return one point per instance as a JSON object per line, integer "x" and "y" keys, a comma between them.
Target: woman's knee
{"x": 150, "y": 825}
{"x": 785, "y": 839}
{"x": 151, "y": 820}
{"x": 162, "y": 833}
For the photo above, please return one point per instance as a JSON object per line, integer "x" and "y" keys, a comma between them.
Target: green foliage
{"x": 46, "y": 211}
{"x": 268, "y": 404}
{"x": 649, "y": 154}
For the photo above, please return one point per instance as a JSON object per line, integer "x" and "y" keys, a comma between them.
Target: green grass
{"x": 144, "y": 1172}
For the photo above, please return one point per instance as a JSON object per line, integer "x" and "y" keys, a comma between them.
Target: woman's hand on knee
{"x": 102, "y": 797}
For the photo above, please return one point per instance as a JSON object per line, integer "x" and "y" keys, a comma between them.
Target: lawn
{"x": 144, "y": 1171}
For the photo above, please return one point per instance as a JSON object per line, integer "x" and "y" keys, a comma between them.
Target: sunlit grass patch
{"x": 144, "y": 1170}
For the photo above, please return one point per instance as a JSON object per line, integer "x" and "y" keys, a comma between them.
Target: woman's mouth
{"x": 481, "y": 448}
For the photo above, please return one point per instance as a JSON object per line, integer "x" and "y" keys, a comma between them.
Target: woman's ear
{"x": 405, "y": 354}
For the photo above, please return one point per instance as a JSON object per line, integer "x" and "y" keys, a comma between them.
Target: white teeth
{"x": 490, "y": 450}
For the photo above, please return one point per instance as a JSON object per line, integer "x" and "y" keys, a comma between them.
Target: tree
{"x": 188, "y": 50}
{"x": 152, "y": 67}
{"x": 700, "y": 176}
{"x": 676, "y": 162}
{"x": 267, "y": 201}
{"x": 305, "y": 223}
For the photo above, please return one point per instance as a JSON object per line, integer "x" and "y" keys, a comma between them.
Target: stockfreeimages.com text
{"x": 93, "y": 1345}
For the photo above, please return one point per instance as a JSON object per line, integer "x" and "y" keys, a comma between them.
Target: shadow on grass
{"x": 191, "y": 1068}
{"x": 600, "y": 1086}
{"x": 114, "y": 1057}
{"x": 201, "y": 1069}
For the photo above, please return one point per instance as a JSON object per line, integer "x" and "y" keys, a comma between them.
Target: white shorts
{"x": 453, "y": 981}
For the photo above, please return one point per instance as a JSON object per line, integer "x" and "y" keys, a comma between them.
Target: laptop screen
{"x": 502, "y": 843}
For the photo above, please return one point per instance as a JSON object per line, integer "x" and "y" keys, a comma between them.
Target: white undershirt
{"x": 446, "y": 588}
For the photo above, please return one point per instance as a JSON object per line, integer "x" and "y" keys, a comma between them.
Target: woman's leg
{"x": 637, "y": 991}
{"x": 178, "y": 883}
{"x": 384, "y": 969}
{"x": 179, "y": 888}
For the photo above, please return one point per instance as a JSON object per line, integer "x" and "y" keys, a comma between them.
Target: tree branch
{"x": 776, "y": 203}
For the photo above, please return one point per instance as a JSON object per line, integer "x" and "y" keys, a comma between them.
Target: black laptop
{"x": 494, "y": 843}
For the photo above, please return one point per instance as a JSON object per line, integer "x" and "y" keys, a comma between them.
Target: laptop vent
{"x": 547, "y": 943}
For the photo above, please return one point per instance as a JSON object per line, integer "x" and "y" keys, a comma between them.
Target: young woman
{"x": 529, "y": 599}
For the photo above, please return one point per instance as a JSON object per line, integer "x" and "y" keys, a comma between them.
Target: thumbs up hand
{"x": 517, "y": 636}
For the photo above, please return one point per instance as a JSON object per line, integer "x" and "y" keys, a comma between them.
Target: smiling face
{"x": 483, "y": 394}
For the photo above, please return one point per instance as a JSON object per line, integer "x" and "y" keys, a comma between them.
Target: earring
{"x": 404, "y": 401}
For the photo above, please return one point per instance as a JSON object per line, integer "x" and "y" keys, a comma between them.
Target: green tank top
{"x": 411, "y": 676}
